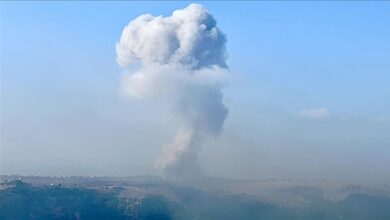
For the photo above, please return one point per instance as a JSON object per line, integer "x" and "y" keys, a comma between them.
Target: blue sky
{"x": 63, "y": 112}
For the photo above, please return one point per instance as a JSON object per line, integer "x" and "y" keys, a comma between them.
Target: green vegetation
{"x": 23, "y": 201}
{"x": 26, "y": 202}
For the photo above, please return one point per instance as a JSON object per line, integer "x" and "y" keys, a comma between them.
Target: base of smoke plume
{"x": 179, "y": 160}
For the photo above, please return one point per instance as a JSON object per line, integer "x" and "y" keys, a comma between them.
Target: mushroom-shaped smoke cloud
{"x": 182, "y": 57}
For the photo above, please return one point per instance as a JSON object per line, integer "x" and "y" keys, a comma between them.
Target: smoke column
{"x": 180, "y": 57}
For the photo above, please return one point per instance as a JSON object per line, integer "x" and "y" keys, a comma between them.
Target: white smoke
{"x": 182, "y": 57}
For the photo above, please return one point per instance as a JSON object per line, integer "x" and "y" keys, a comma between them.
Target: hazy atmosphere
{"x": 263, "y": 90}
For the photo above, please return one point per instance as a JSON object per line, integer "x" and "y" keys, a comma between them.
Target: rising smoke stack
{"x": 182, "y": 57}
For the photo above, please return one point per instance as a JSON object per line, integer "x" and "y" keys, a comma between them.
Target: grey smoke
{"x": 181, "y": 57}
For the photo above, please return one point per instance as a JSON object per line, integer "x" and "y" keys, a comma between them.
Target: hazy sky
{"x": 309, "y": 94}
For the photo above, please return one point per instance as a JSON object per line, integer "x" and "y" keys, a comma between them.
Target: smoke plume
{"x": 180, "y": 57}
